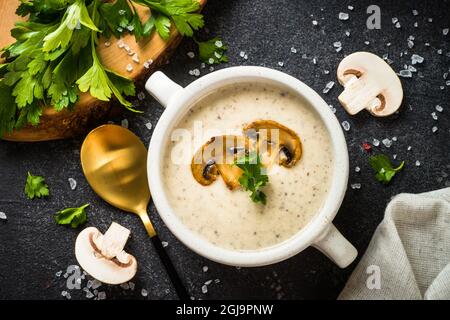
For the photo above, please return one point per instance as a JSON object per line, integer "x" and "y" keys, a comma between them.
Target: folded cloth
{"x": 409, "y": 254}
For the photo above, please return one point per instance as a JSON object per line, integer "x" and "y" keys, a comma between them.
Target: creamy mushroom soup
{"x": 229, "y": 218}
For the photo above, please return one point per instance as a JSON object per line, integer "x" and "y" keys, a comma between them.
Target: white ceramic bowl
{"x": 319, "y": 232}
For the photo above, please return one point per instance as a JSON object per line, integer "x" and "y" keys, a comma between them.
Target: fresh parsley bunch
{"x": 54, "y": 57}
{"x": 253, "y": 177}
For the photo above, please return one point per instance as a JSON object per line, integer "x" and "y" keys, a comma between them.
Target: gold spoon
{"x": 114, "y": 161}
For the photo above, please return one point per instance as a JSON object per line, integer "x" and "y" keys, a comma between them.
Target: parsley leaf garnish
{"x": 212, "y": 51}
{"x": 383, "y": 168}
{"x": 252, "y": 178}
{"x": 36, "y": 187}
{"x": 72, "y": 216}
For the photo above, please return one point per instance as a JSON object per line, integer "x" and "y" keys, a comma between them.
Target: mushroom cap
{"x": 370, "y": 83}
{"x": 275, "y": 141}
{"x": 217, "y": 157}
{"x": 116, "y": 270}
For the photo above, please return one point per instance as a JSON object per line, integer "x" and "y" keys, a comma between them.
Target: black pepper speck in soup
{"x": 230, "y": 219}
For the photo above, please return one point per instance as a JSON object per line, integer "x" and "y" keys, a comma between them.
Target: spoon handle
{"x": 171, "y": 271}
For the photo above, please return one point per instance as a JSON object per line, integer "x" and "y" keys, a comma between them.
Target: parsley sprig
{"x": 72, "y": 216}
{"x": 253, "y": 179}
{"x": 54, "y": 57}
{"x": 384, "y": 171}
{"x": 36, "y": 187}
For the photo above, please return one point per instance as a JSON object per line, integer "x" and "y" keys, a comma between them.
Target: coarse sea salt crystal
{"x": 95, "y": 284}
{"x": 164, "y": 243}
{"x": 434, "y": 129}
{"x": 355, "y": 185}
{"x": 394, "y": 138}
{"x": 132, "y": 285}
{"x": 350, "y": 7}
{"x": 417, "y": 163}
{"x": 204, "y": 289}
{"x": 101, "y": 295}
{"x": 205, "y": 268}
{"x": 376, "y": 142}
{"x": 280, "y": 63}
{"x": 242, "y": 54}
{"x": 210, "y": 60}
{"x": 218, "y": 44}
{"x": 196, "y": 72}
{"x": 3, "y": 215}
{"x": 141, "y": 95}
{"x": 72, "y": 183}
{"x": 398, "y": 25}
{"x": 59, "y": 273}
{"x": 136, "y": 58}
{"x": 415, "y": 58}
{"x": 149, "y": 125}
{"x": 345, "y": 125}
{"x": 394, "y": 156}
{"x": 89, "y": 294}
{"x": 293, "y": 50}
{"x": 144, "y": 292}
{"x": 439, "y": 108}
{"x": 107, "y": 44}
{"x": 337, "y": 44}
{"x": 190, "y": 54}
{"x": 415, "y": 12}
{"x": 394, "y": 20}
{"x": 357, "y": 169}
{"x": 387, "y": 142}
{"x": 208, "y": 282}
{"x": 405, "y": 74}
{"x": 328, "y": 87}
{"x": 130, "y": 27}
{"x": 315, "y": 23}
{"x": 148, "y": 63}
{"x": 129, "y": 67}
{"x": 343, "y": 16}
{"x": 347, "y": 33}
{"x": 445, "y": 31}
{"x": 125, "y": 286}
{"x": 434, "y": 115}
{"x": 409, "y": 148}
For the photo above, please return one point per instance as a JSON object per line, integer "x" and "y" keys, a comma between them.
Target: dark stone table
{"x": 33, "y": 248}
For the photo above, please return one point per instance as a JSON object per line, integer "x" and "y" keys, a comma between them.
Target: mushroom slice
{"x": 275, "y": 142}
{"x": 370, "y": 83}
{"x": 217, "y": 157}
{"x": 103, "y": 257}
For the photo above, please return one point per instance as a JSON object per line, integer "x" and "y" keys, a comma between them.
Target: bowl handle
{"x": 162, "y": 88}
{"x": 333, "y": 244}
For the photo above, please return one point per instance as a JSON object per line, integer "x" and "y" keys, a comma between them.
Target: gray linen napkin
{"x": 409, "y": 254}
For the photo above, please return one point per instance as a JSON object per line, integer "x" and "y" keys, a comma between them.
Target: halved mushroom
{"x": 370, "y": 83}
{"x": 217, "y": 157}
{"x": 275, "y": 142}
{"x": 103, "y": 257}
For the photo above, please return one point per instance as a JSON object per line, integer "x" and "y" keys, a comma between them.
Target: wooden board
{"x": 89, "y": 111}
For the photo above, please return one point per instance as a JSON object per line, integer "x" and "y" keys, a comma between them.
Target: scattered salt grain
{"x": 350, "y": 8}
{"x": 204, "y": 289}
{"x": 125, "y": 286}
{"x": 434, "y": 129}
{"x": 120, "y": 43}
{"x": 205, "y": 268}
{"x": 366, "y": 43}
{"x": 338, "y": 49}
{"x": 101, "y": 295}
{"x": 149, "y": 125}
{"x": 415, "y": 12}
{"x": 59, "y": 273}
{"x": 439, "y": 51}
{"x": 343, "y": 16}
{"x": 132, "y": 285}
{"x": 121, "y": 12}
{"x": 387, "y": 142}
{"x": 130, "y": 28}
{"x": 135, "y": 58}
{"x": 376, "y": 142}
{"x": 410, "y": 44}
{"x": 164, "y": 243}
{"x": 333, "y": 109}
{"x": 218, "y": 44}
{"x": 398, "y": 25}
{"x": 211, "y": 68}
{"x": 210, "y": 60}
{"x": 89, "y": 294}
{"x": 346, "y": 125}
{"x": 107, "y": 44}
{"x": 129, "y": 67}
{"x": 347, "y": 33}
{"x": 355, "y": 185}
{"x": 357, "y": 169}
{"x": 119, "y": 29}
{"x": 315, "y": 23}
{"x": 430, "y": 19}
{"x": 64, "y": 293}
{"x": 417, "y": 163}
{"x": 416, "y": 24}
{"x": 415, "y": 58}
{"x": 394, "y": 20}
{"x": 191, "y": 55}
{"x": 328, "y": 87}
{"x": 4, "y": 217}
{"x": 394, "y": 138}
{"x": 208, "y": 282}
{"x": 148, "y": 63}
{"x": 280, "y": 63}
{"x": 412, "y": 69}
{"x": 217, "y": 281}
{"x": 445, "y": 31}
{"x": 141, "y": 95}
{"x": 242, "y": 54}
{"x": 124, "y": 123}
{"x": 337, "y": 44}
{"x": 95, "y": 284}
{"x": 314, "y": 60}
{"x": 196, "y": 72}
{"x": 394, "y": 156}
{"x": 405, "y": 73}
{"x": 293, "y": 50}
{"x": 434, "y": 115}
{"x": 144, "y": 292}
{"x": 439, "y": 108}
{"x": 72, "y": 183}
{"x": 409, "y": 148}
